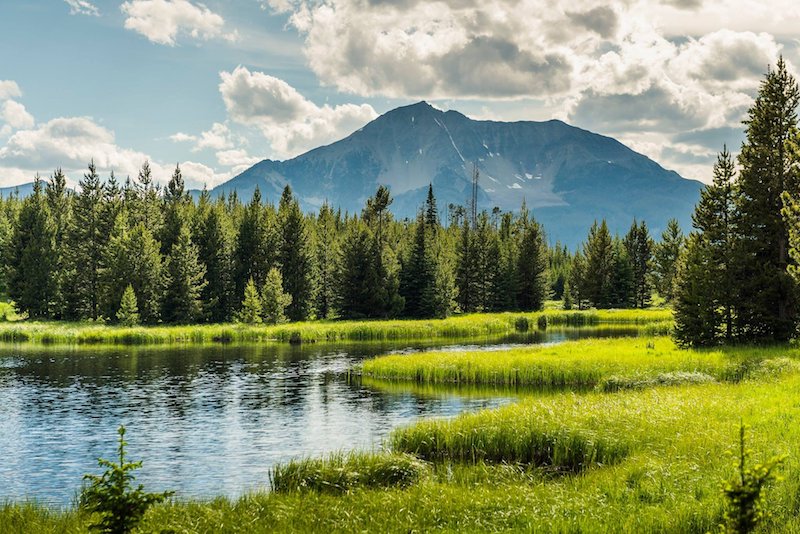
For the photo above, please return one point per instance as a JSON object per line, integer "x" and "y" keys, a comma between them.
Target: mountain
{"x": 567, "y": 176}
{"x": 23, "y": 190}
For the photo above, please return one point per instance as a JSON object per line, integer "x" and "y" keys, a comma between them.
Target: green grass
{"x": 462, "y": 326}
{"x": 341, "y": 473}
{"x": 614, "y": 363}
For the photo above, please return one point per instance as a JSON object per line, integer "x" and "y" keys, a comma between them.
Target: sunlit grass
{"x": 462, "y": 326}
{"x": 608, "y": 363}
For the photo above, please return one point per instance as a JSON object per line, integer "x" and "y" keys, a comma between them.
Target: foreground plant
{"x": 112, "y": 496}
{"x": 744, "y": 493}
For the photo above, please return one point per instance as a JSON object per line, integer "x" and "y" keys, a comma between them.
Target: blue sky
{"x": 220, "y": 85}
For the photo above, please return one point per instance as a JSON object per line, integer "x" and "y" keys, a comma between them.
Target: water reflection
{"x": 206, "y": 420}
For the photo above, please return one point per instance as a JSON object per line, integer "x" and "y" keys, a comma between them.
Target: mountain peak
{"x": 569, "y": 177}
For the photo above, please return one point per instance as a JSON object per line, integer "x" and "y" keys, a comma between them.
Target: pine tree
{"x": 353, "y": 275}
{"x": 567, "y": 296}
{"x": 32, "y": 257}
{"x": 294, "y": 257}
{"x": 274, "y": 300}
{"x": 767, "y": 297}
{"x": 665, "y": 259}
{"x": 532, "y": 268}
{"x": 175, "y": 211}
{"x": 144, "y": 271}
{"x": 251, "y": 309}
{"x": 639, "y": 248}
{"x": 87, "y": 245}
{"x": 58, "y": 202}
{"x": 214, "y": 243}
{"x": 465, "y": 277}
{"x": 117, "y": 267}
{"x": 185, "y": 281}
{"x": 598, "y": 252}
{"x": 577, "y": 279}
{"x": 326, "y": 251}
{"x": 622, "y": 287}
{"x": 418, "y": 279}
{"x": 697, "y": 321}
{"x": 253, "y": 252}
{"x": 128, "y": 313}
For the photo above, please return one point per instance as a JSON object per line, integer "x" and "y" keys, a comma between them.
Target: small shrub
{"x": 111, "y": 495}
{"x": 744, "y": 493}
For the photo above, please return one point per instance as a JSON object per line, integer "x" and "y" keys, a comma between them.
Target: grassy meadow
{"x": 640, "y": 450}
{"x": 460, "y": 326}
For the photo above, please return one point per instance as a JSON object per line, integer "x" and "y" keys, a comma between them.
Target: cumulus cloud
{"x": 162, "y": 21}
{"x": 9, "y": 89}
{"x": 82, "y": 7}
{"x": 71, "y": 142}
{"x": 289, "y": 121}
{"x": 15, "y": 115}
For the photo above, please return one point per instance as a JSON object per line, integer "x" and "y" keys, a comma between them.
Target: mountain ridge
{"x": 568, "y": 176}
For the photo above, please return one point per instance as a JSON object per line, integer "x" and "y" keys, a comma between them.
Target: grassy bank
{"x": 608, "y": 364}
{"x": 462, "y": 326}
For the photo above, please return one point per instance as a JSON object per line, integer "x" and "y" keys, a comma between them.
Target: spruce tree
{"x": 253, "y": 252}
{"x": 532, "y": 268}
{"x": 465, "y": 277}
{"x": 326, "y": 251}
{"x": 87, "y": 245}
{"x": 58, "y": 202}
{"x": 639, "y": 248}
{"x": 295, "y": 258}
{"x": 697, "y": 321}
{"x": 251, "y": 308}
{"x": 31, "y": 257}
{"x": 767, "y": 297}
{"x": 665, "y": 259}
{"x": 117, "y": 267}
{"x": 353, "y": 275}
{"x": 175, "y": 211}
{"x": 578, "y": 279}
{"x": 128, "y": 313}
{"x": 215, "y": 248}
{"x": 567, "y": 297}
{"x": 274, "y": 300}
{"x": 144, "y": 271}
{"x": 622, "y": 287}
{"x": 598, "y": 251}
{"x": 185, "y": 281}
{"x": 418, "y": 278}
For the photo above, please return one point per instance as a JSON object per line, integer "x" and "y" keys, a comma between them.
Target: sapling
{"x": 112, "y": 496}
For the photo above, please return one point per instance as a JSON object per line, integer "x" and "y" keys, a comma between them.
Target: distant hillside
{"x": 23, "y": 190}
{"x": 569, "y": 177}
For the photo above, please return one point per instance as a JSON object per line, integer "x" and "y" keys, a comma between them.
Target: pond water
{"x": 206, "y": 420}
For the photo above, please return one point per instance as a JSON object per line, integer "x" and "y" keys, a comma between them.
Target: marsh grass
{"x": 608, "y": 364}
{"x": 462, "y": 326}
{"x": 344, "y": 472}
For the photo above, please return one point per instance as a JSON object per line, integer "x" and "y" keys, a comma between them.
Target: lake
{"x": 206, "y": 420}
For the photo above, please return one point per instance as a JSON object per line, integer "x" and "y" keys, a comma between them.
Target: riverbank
{"x": 462, "y": 326}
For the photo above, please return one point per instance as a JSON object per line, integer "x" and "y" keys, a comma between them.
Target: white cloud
{"x": 181, "y": 137}
{"x": 162, "y": 21}
{"x": 236, "y": 158}
{"x": 82, "y": 7}
{"x": 289, "y": 121}
{"x": 71, "y": 142}
{"x": 9, "y": 89}
{"x": 15, "y": 115}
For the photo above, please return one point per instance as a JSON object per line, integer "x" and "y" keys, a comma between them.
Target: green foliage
{"x": 639, "y": 248}
{"x": 128, "y": 313}
{"x": 567, "y": 295}
{"x": 295, "y": 258}
{"x": 120, "y": 506}
{"x": 274, "y": 300}
{"x": 532, "y": 268}
{"x": 744, "y": 493}
{"x": 251, "y": 310}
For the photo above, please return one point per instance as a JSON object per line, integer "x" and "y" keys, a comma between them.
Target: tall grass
{"x": 340, "y": 472}
{"x": 462, "y": 326}
{"x": 580, "y": 364}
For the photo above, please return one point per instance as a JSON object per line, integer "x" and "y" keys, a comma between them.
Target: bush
{"x": 541, "y": 323}
{"x": 521, "y": 324}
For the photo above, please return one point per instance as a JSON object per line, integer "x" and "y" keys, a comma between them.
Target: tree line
{"x": 135, "y": 252}
{"x": 738, "y": 278}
